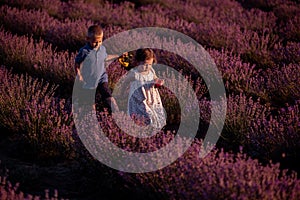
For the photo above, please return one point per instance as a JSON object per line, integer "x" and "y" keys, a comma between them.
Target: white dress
{"x": 144, "y": 101}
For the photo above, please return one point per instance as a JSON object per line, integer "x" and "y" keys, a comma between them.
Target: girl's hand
{"x": 159, "y": 82}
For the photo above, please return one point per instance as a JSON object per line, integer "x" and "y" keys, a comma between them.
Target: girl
{"x": 144, "y": 102}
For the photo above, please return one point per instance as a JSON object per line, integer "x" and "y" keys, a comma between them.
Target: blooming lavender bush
{"x": 11, "y": 192}
{"x": 219, "y": 175}
{"x": 276, "y": 136}
{"x": 287, "y": 54}
{"x": 37, "y": 58}
{"x": 281, "y": 84}
{"x": 52, "y": 7}
{"x": 29, "y": 108}
{"x": 68, "y": 34}
{"x": 235, "y": 32}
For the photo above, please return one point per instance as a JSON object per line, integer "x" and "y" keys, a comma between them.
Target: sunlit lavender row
{"x": 29, "y": 108}
{"x": 259, "y": 36}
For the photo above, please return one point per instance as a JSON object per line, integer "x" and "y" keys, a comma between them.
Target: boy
{"x": 90, "y": 69}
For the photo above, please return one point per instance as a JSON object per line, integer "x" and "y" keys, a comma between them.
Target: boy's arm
{"x": 111, "y": 57}
{"x": 78, "y": 61}
{"x": 77, "y": 71}
{"x": 76, "y": 67}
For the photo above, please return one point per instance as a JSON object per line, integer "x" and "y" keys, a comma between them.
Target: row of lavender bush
{"x": 219, "y": 175}
{"x": 126, "y": 13}
{"x": 262, "y": 43}
{"x": 29, "y": 108}
{"x": 37, "y": 58}
{"x": 67, "y": 34}
{"x": 8, "y": 191}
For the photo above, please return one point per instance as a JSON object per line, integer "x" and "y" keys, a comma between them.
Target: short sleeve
{"x": 80, "y": 57}
{"x": 131, "y": 76}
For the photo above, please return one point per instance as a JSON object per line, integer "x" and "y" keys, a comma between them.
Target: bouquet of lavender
{"x": 126, "y": 61}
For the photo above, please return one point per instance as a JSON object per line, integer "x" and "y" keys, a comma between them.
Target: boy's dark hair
{"x": 94, "y": 30}
{"x": 145, "y": 54}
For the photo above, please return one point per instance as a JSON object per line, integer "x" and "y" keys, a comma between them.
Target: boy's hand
{"x": 124, "y": 54}
{"x": 79, "y": 75}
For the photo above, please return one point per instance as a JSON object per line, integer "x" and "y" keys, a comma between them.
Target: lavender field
{"x": 255, "y": 45}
